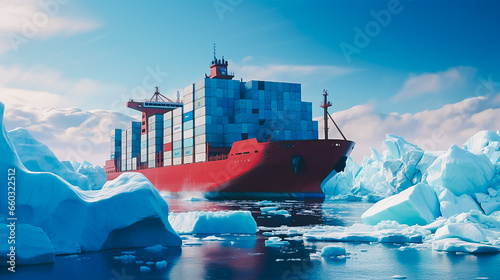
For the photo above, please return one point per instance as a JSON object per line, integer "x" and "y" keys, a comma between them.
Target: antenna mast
{"x": 325, "y": 104}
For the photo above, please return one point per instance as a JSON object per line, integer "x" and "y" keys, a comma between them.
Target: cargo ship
{"x": 229, "y": 138}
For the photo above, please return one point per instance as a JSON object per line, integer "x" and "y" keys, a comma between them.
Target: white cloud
{"x": 285, "y": 72}
{"x": 21, "y": 21}
{"x": 417, "y": 85}
{"x": 71, "y": 133}
{"x": 44, "y": 87}
{"x": 430, "y": 130}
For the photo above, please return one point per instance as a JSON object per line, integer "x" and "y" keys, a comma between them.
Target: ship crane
{"x": 325, "y": 104}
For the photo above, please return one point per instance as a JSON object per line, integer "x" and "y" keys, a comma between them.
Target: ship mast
{"x": 325, "y": 106}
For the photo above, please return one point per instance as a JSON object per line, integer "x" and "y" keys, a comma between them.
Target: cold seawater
{"x": 245, "y": 256}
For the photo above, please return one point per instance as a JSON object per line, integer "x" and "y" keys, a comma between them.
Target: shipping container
{"x": 177, "y": 161}
{"x": 188, "y": 159}
{"x": 201, "y": 157}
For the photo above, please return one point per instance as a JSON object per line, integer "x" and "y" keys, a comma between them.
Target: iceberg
{"x": 461, "y": 172}
{"x": 32, "y": 245}
{"x": 485, "y": 142}
{"x": 127, "y": 212}
{"x": 332, "y": 251}
{"x": 415, "y": 205}
{"x": 204, "y": 222}
{"x": 37, "y": 157}
{"x": 450, "y": 205}
{"x": 465, "y": 231}
{"x": 95, "y": 174}
{"x": 458, "y": 245}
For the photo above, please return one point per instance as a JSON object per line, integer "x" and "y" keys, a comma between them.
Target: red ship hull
{"x": 283, "y": 167}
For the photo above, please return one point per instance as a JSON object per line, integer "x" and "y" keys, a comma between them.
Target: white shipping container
{"x": 188, "y": 107}
{"x": 167, "y": 115}
{"x": 167, "y": 162}
{"x": 177, "y": 137}
{"x": 188, "y": 133}
{"x": 200, "y": 148}
{"x": 167, "y": 139}
{"x": 200, "y": 157}
{"x": 177, "y": 120}
{"x": 167, "y": 154}
{"x": 177, "y": 112}
{"x": 188, "y": 159}
{"x": 177, "y": 161}
{"x": 199, "y": 112}
{"x": 200, "y": 139}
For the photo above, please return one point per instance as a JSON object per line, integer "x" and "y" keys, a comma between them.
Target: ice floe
{"x": 384, "y": 232}
{"x": 204, "y": 222}
{"x": 332, "y": 251}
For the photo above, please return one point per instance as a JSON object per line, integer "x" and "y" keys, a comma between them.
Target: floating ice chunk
{"x": 450, "y": 205}
{"x": 265, "y": 203}
{"x": 415, "y": 205}
{"x": 458, "y": 245}
{"x": 269, "y": 208}
{"x": 32, "y": 245}
{"x": 385, "y": 232}
{"x": 144, "y": 269}
{"x": 213, "y": 222}
{"x": 161, "y": 264}
{"x": 332, "y": 251}
{"x": 461, "y": 171}
{"x": 275, "y": 242}
{"x": 212, "y": 238}
{"x": 125, "y": 258}
{"x": 157, "y": 248}
{"x": 465, "y": 231}
{"x": 273, "y": 210}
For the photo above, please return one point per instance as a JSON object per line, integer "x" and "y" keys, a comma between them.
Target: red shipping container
{"x": 167, "y": 147}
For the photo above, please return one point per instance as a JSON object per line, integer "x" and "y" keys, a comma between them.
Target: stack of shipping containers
{"x": 177, "y": 136}
{"x": 155, "y": 141}
{"x": 133, "y": 144}
{"x": 116, "y": 147}
{"x": 124, "y": 151}
{"x": 167, "y": 139}
{"x": 219, "y": 112}
{"x": 188, "y": 124}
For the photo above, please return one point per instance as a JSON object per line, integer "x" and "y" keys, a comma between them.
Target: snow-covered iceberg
{"x": 127, "y": 212}
{"x": 37, "y": 157}
{"x": 454, "y": 194}
{"x": 461, "y": 172}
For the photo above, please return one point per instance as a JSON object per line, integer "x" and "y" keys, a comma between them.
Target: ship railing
{"x": 218, "y": 157}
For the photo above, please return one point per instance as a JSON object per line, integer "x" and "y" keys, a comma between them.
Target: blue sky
{"x": 124, "y": 37}
{"x": 412, "y": 56}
